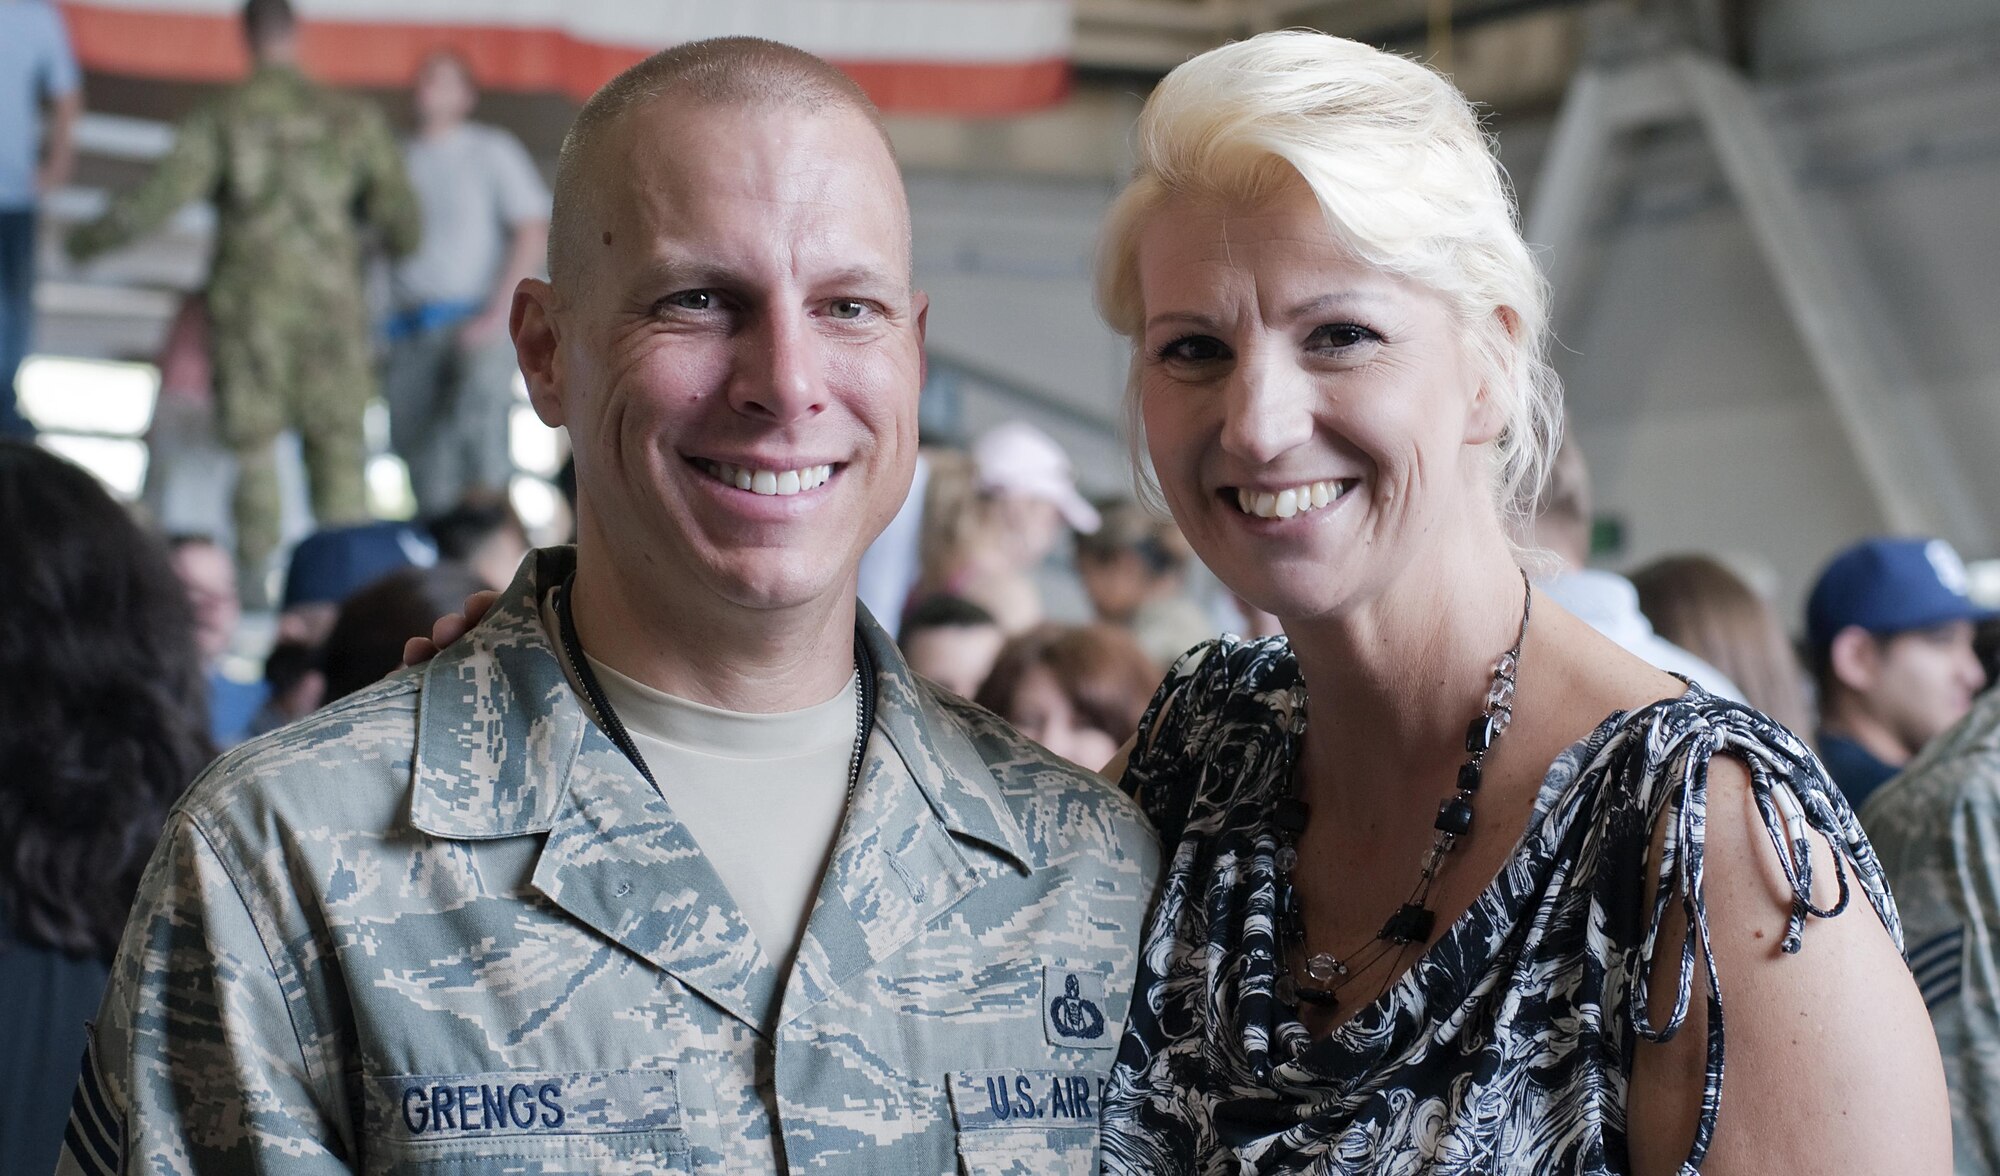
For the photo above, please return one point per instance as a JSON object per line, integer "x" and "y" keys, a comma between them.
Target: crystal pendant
{"x": 1324, "y": 968}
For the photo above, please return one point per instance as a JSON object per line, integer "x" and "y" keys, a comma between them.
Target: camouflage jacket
{"x": 1936, "y": 829}
{"x": 445, "y": 926}
{"x": 295, "y": 171}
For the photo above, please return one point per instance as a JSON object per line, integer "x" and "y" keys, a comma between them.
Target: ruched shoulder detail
{"x": 1219, "y": 696}
{"x": 1660, "y": 765}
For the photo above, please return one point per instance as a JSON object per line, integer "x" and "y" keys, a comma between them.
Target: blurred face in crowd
{"x": 444, "y": 93}
{"x": 739, "y": 371}
{"x": 308, "y": 624}
{"x": 1032, "y": 526}
{"x": 1316, "y": 427}
{"x": 1914, "y": 684}
{"x": 1045, "y": 714}
{"x": 209, "y": 575}
{"x": 956, "y": 657}
{"x": 1117, "y": 583}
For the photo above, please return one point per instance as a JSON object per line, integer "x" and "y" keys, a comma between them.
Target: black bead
{"x": 1410, "y": 924}
{"x": 1290, "y": 816}
{"x": 1468, "y": 776}
{"x": 1317, "y": 997}
{"x": 1480, "y": 735}
{"x": 1455, "y": 816}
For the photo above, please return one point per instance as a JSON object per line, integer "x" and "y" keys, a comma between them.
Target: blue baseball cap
{"x": 331, "y": 565}
{"x": 1890, "y": 586}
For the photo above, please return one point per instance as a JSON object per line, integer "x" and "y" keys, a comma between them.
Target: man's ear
{"x": 1488, "y": 418}
{"x": 537, "y": 336}
{"x": 922, "y": 302}
{"x": 1855, "y": 658}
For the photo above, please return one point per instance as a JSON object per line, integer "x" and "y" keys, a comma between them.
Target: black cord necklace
{"x": 1325, "y": 973}
{"x": 607, "y": 718}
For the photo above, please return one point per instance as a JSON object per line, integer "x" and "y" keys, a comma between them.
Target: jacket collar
{"x": 956, "y": 781}
{"x": 504, "y": 749}
{"x": 498, "y": 726}
{"x": 499, "y": 729}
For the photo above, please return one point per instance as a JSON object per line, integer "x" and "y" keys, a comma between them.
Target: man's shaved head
{"x": 724, "y": 71}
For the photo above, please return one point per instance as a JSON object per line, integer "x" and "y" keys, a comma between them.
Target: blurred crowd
{"x": 134, "y": 656}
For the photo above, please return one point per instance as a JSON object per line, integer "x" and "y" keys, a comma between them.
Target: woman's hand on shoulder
{"x": 449, "y": 628}
{"x": 1830, "y": 1061}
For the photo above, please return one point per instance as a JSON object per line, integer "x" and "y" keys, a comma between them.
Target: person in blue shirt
{"x": 1889, "y": 628}
{"x": 208, "y": 574}
{"x": 36, "y": 68}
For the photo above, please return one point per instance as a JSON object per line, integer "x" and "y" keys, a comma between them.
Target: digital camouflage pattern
{"x": 297, "y": 173}
{"x": 1936, "y": 828}
{"x": 444, "y": 925}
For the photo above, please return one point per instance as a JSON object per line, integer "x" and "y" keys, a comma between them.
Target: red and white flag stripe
{"x": 961, "y": 57}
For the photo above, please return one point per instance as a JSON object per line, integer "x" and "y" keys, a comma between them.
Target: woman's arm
{"x": 1115, "y": 770}
{"x": 1830, "y": 1061}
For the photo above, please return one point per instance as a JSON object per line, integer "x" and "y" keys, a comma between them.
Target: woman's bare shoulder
{"x": 1831, "y": 1065}
{"x": 1594, "y": 675}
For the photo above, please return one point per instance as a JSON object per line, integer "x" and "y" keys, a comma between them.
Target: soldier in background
{"x": 672, "y": 863}
{"x": 296, "y": 173}
{"x": 449, "y": 374}
{"x": 1936, "y": 829}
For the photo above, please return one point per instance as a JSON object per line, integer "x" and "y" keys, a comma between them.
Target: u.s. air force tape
{"x": 1007, "y": 1100}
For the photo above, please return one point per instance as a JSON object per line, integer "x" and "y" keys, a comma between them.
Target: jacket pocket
{"x": 1026, "y": 1122}
{"x": 532, "y": 1123}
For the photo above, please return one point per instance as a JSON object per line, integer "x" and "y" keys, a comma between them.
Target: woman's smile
{"x": 1291, "y": 501}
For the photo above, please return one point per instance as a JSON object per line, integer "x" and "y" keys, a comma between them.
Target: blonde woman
{"x": 1456, "y": 884}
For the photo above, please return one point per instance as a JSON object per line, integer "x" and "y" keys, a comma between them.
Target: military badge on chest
{"x": 1073, "y": 1009}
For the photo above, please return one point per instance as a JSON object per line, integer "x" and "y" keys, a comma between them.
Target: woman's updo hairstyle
{"x": 1396, "y": 157}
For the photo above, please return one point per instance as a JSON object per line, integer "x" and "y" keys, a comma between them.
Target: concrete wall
{"x": 1007, "y": 266}
{"x": 1690, "y": 388}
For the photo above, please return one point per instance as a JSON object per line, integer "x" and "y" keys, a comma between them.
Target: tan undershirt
{"x": 762, "y": 794}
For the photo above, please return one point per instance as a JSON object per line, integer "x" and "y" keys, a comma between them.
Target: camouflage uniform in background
{"x": 1936, "y": 829}
{"x": 296, "y": 173}
{"x": 444, "y": 925}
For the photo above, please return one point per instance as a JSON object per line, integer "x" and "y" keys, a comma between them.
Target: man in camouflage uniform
{"x": 296, "y": 173}
{"x": 462, "y": 921}
{"x": 1936, "y": 828}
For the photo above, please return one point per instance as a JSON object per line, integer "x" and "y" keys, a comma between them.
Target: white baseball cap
{"x": 1018, "y": 458}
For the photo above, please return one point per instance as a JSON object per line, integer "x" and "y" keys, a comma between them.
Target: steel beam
{"x": 1903, "y": 452}
{"x": 1904, "y": 455}
{"x": 1570, "y": 183}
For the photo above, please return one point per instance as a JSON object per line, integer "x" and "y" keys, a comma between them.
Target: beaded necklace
{"x": 1325, "y": 974}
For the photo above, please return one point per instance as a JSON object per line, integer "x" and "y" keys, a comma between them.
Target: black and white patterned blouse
{"x": 1509, "y": 1044}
